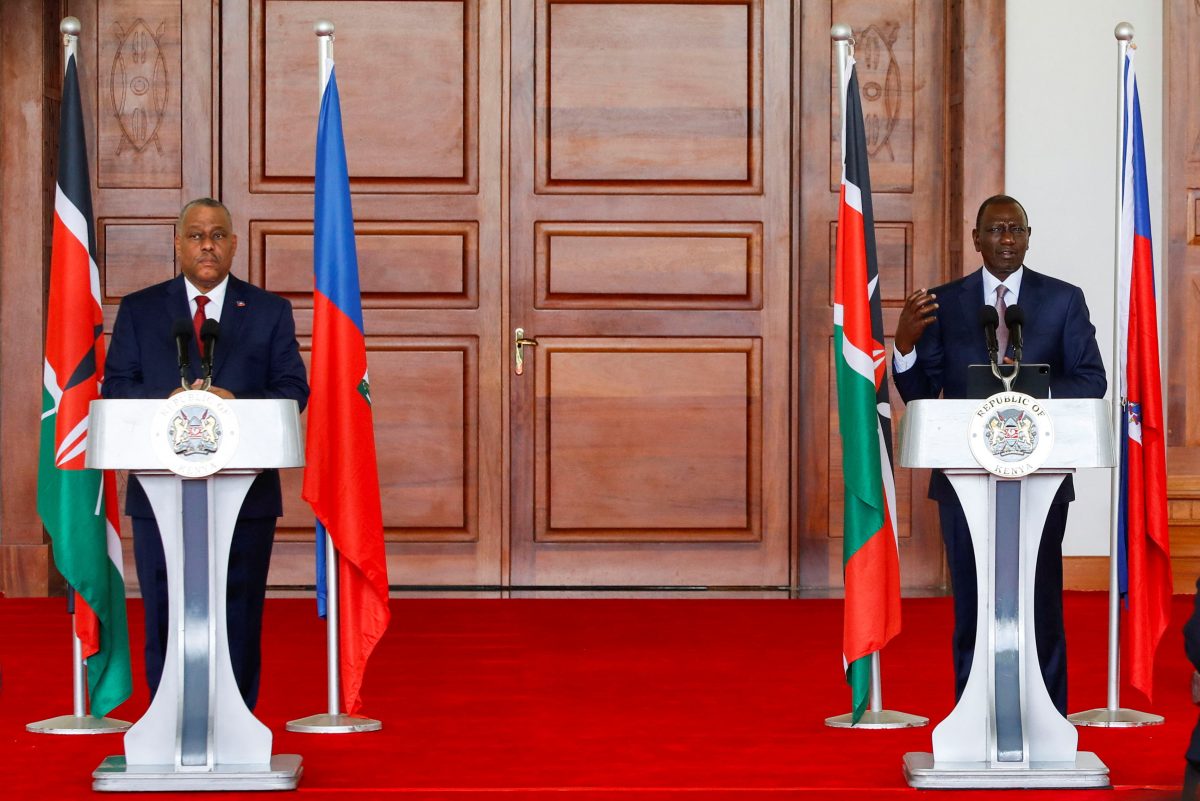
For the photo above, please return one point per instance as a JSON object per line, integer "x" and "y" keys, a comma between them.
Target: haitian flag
{"x": 79, "y": 506}
{"x": 1144, "y": 558}
{"x": 870, "y": 559}
{"x": 341, "y": 479}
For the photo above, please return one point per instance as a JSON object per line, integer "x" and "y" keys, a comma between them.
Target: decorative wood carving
{"x": 906, "y": 125}
{"x": 662, "y": 97}
{"x": 423, "y": 57}
{"x": 623, "y": 265}
{"x": 140, "y": 114}
{"x": 886, "y": 66}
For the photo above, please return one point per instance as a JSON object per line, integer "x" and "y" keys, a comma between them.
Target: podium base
{"x": 1115, "y": 718}
{"x": 77, "y": 724}
{"x": 883, "y": 719}
{"x": 114, "y": 775}
{"x": 1086, "y": 771}
{"x": 333, "y": 724}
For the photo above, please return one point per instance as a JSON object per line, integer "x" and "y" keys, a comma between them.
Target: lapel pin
{"x": 241, "y": 304}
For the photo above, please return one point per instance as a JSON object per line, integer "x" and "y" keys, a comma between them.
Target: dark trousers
{"x": 1049, "y": 632}
{"x": 249, "y": 559}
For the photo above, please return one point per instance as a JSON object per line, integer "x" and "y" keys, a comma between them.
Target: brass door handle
{"x": 519, "y": 343}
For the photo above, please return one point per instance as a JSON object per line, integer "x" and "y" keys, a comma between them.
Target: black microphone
{"x": 1014, "y": 318}
{"x": 990, "y": 319}
{"x": 210, "y": 332}
{"x": 182, "y": 333}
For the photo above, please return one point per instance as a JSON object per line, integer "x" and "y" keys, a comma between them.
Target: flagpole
{"x": 79, "y": 722}
{"x": 333, "y": 721}
{"x": 876, "y": 717}
{"x": 1113, "y": 715}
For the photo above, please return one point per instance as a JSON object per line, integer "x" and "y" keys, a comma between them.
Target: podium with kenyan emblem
{"x": 1006, "y": 457}
{"x": 196, "y": 456}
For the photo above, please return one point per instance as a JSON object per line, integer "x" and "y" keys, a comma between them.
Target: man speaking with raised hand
{"x": 937, "y": 337}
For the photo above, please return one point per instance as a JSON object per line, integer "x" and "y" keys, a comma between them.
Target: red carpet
{"x": 582, "y": 700}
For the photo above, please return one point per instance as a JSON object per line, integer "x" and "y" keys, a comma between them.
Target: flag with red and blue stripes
{"x": 1144, "y": 558}
{"x": 341, "y": 478}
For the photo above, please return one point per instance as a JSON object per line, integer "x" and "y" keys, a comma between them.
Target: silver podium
{"x": 1006, "y": 457}
{"x": 196, "y": 456}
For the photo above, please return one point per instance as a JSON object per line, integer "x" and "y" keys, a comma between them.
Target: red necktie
{"x": 1002, "y": 329}
{"x": 198, "y": 320}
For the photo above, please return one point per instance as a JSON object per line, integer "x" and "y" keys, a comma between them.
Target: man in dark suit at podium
{"x": 937, "y": 336}
{"x": 256, "y": 356}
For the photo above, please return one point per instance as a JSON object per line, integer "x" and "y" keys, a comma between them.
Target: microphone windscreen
{"x": 988, "y": 317}
{"x": 210, "y": 329}
{"x": 181, "y": 328}
{"x": 1014, "y": 316}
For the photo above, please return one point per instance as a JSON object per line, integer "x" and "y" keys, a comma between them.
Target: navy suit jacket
{"x": 1058, "y": 332}
{"x": 257, "y": 356}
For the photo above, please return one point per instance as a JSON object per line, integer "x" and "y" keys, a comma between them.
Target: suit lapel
{"x": 1033, "y": 290}
{"x": 233, "y": 314}
{"x": 969, "y": 302}
{"x": 177, "y": 307}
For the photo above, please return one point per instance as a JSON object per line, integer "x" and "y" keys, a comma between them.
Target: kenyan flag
{"x": 870, "y": 562}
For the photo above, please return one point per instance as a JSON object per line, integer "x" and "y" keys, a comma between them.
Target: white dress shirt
{"x": 902, "y": 362}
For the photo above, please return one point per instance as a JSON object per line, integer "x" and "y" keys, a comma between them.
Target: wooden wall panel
{"x": 648, "y": 241}
{"x": 1180, "y": 302}
{"x": 420, "y": 87}
{"x": 653, "y": 440}
{"x": 135, "y": 254}
{"x": 1181, "y": 162}
{"x": 901, "y": 54}
{"x": 662, "y": 95}
{"x": 423, "y": 57}
{"x": 401, "y": 264}
{"x": 29, "y": 100}
{"x": 648, "y": 265}
{"x": 140, "y": 80}
{"x": 893, "y": 250}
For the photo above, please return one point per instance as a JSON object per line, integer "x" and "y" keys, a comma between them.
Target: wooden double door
{"x": 646, "y": 190}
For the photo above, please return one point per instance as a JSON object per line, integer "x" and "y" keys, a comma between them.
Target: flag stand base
{"x": 77, "y": 724}
{"x": 883, "y": 719}
{"x": 1115, "y": 718}
{"x": 333, "y": 724}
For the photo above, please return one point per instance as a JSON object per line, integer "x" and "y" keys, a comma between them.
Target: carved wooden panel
{"x": 905, "y": 126}
{"x": 140, "y": 81}
{"x": 400, "y": 264}
{"x": 136, "y": 254}
{"x": 652, "y": 440}
{"x": 893, "y": 252}
{"x": 887, "y": 74}
{"x": 425, "y": 395}
{"x": 649, "y": 265}
{"x": 411, "y": 127}
{"x": 640, "y": 96}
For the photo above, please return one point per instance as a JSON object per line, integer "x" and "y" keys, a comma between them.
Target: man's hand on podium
{"x": 199, "y": 384}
